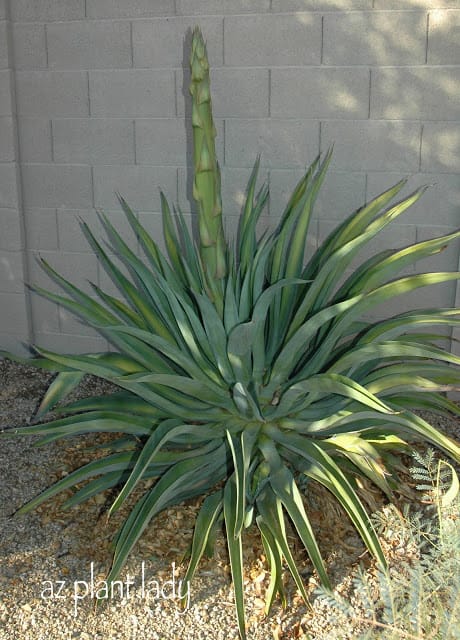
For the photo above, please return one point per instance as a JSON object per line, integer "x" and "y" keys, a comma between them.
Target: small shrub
{"x": 241, "y": 367}
{"x": 418, "y": 596}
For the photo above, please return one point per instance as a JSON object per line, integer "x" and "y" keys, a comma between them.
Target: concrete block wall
{"x": 15, "y": 320}
{"x": 94, "y": 100}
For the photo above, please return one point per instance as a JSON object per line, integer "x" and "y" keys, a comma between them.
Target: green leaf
{"x": 390, "y": 350}
{"x": 206, "y": 392}
{"x": 383, "y": 266}
{"x": 171, "y": 239}
{"x": 92, "y": 422}
{"x": 185, "y": 479}
{"x": 64, "y": 383}
{"x": 117, "y": 463}
{"x": 206, "y": 520}
{"x": 308, "y": 391}
{"x": 283, "y": 484}
{"x": 453, "y": 491}
{"x": 170, "y": 351}
{"x": 164, "y": 432}
{"x": 270, "y": 508}
{"x": 274, "y": 558}
{"x": 363, "y": 455}
{"x": 217, "y": 336}
{"x": 150, "y": 247}
{"x": 235, "y": 551}
{"x": 318, "y": 465}
{"x": 241, "y": 449}
{"x": 350, "y": 228}
{"x": 296, "y": 342}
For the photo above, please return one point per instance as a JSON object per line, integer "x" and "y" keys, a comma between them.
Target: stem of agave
{"x": 207, "y": 184}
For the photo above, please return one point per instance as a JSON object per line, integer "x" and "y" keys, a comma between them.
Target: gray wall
{"x": 94, "y": 99}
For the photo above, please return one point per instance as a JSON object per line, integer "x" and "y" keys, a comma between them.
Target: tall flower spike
{"x": 206, "y": 183}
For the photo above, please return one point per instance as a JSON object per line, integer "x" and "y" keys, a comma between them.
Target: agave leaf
{"x": 40, "y": 363}
{"x": 274, "y": 559}
{"x": 92, "y": 422}
{"x": 248, "y": 220}
{"x": 325, "y": 351}
{"x": 206, "y": 519}
{"x": 246, "y": 402}
{"x": 286, "y": 226}
{"x": 231, "y": 314}
{"x": 217, "y": 336}
{"x": 64, "y": 383}
{"x": 117, "y": 463}
{"x": 296, "y": 341}
{"x": 173, "y": 353}
{"x": 194, "y": 332}
{"x": 394, "y": 326}
{"x": 185, "y": 479}
{"x": 382, "y": 269}
{"x": 284, "y": 486}
{"x": 433, "y": 371}
{"x": 350, "y": 228}
{"x": 191, "y": 263}
{"x": 241, "y": 452}
{"x": 119, "y": 401}
{"x": 104, "y": 365}
{"x": 173, "y": 403}
{"x": 295, "y": 258}
{"x": 249, "y": 336}
{"x": 94, "y": 315}
{"x": 82, "y": 304}
{"x": 155, "y": 288}
{"x": 125, "y": 313}
{"x": 235, "y": 551}
{"x": 317, "y": 464}
{"x": 326, "y": 278}
{"x": 282, "y": 239}
{"x": 433, "y": 402}
{"x": 164, "y": 432}
{"x": 453, "y": 491}
{"x": 245, "y": 302}
{"x": 341, "y": 385}
{"x": 270, "y": 508}
{"x": 408, "y": 383}
{"x": 206, "y": 392}
{"x": 146, "y": 307}
{"x": 417, "y": 426}
{"x": 190, "y": 335}
{"x": 363, "y": 455}
{"x": 305, "y": 392}
{"x": 97, "y": 486}
{"x": 149, "y": 246}
{"x": 259, "y": 266}
{"x": 171, "y": 239}
{"x": 390, "y": 350}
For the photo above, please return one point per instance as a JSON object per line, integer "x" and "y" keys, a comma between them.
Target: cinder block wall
{"x": 94, "y": 100}
{"x": 15, "y": 317}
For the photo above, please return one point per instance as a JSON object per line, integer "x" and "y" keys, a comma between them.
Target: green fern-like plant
{"x": 240, "y": 368}
{"x": 419, "y": 597}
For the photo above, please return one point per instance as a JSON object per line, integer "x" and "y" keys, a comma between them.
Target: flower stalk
{"x": 207, "y": 180}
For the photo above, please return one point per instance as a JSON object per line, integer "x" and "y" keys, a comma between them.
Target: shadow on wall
{"x": 376, "y": 92}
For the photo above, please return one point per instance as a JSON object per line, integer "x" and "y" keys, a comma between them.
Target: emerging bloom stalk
{"x": 207, "y": 183}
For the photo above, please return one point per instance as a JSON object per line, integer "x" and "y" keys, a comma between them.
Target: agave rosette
{"x": 241, "y": 369}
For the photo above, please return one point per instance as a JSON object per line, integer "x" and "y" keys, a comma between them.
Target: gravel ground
{"x": 52, "y": 562}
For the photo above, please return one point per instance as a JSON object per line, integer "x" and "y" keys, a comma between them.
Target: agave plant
{"x": 242, "y": 368}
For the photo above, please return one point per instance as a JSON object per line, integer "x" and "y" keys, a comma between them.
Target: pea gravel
{"x": 53, "y": 562}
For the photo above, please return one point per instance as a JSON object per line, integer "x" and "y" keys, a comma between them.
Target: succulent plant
{"x": 242, "y": 369}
